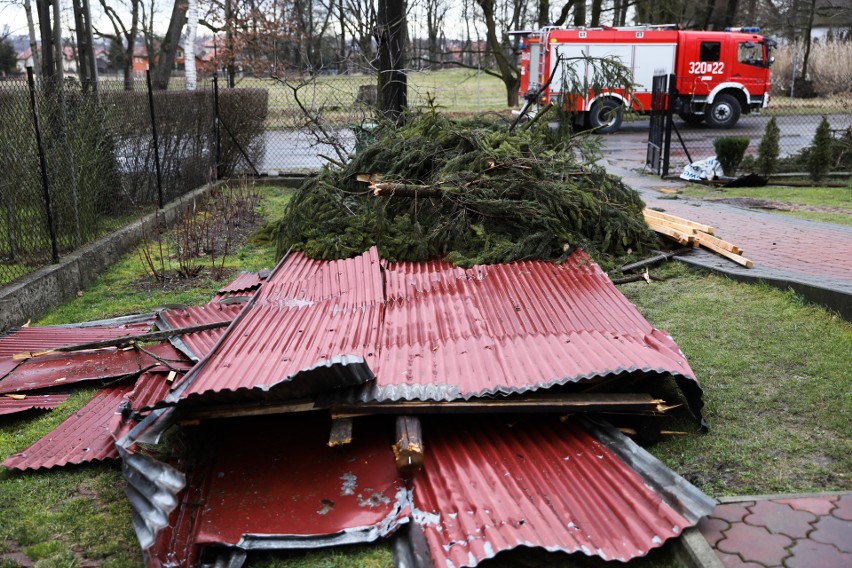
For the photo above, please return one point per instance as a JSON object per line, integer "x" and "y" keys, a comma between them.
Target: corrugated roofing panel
{"x": 242, "y": 283}
{"x": 297, "y": 492}
{"x": 313, "y": 327}
{"x": 197, "y": 345}
{"x": 39, "y": 401}
{"x": 67, "y": 368}
{"x": 27, "y": 339}
{"x": 84, "y": 437}
{"x": 489, "y": 486}
{"x": 454, "y": 333}
{"x": 295, "y": 351}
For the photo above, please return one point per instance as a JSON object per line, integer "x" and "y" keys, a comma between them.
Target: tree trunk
{"x": 806, "y": 33}
{"x": 189, "y": 48}
{"x": 730, "y": 13}
{"x": 580, "y": 13}
{"x": 57, "y": 44}
{"x": 391, "y": 42}
{"x": 48, "y": 68}
{"x": 543, "y": 13}
{"x": 33, "y": 42}
{"x": 509, "y": 75}
{"x": 168, "y": 48}
{"x": 231, "y": 69}
{"x": 596, "y": 13}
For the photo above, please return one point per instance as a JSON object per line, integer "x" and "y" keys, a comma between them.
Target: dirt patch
{"x": 751, "y": 203}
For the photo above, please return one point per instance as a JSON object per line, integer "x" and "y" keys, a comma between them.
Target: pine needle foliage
{"x": 769, "y": 149}
{"x": 820, "y": 158}
{"x": 494, "y": 196}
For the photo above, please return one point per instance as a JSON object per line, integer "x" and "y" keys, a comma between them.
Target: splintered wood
{"x": 690, "y": 233}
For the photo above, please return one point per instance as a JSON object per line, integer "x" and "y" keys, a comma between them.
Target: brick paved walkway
{"x": 794, "y": 532}
{"x": 813, "y": 258}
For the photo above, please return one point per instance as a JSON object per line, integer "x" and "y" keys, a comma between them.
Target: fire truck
{"x": 720, "y": 75}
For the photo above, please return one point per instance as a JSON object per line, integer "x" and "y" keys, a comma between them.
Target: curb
{"x": 38, "y": 292}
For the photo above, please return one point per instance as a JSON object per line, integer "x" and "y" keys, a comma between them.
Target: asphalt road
{"x": 797, "y": 132}
{"x": 292, "y": 151}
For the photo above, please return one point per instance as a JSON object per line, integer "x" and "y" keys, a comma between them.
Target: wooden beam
{"x": 666, "y": 217}
{"x": 681, "y": 238}
{"x": 686, "y": 229}
{"x": 408, "y": 449}
{"x": 705, "y": 239}
{"x": 341, "y": 432}
{"x": 728, "y": 254}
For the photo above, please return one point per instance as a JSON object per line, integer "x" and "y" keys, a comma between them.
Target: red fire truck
{"x": 720, "y": 74}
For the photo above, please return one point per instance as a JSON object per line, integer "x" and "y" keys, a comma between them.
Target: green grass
{"x": 116, "y": 292}
{"x": 836, "y": 201}
{"x": 774, "y": 370}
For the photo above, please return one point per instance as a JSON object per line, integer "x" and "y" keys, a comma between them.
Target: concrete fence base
{"x": 38, "y": 292}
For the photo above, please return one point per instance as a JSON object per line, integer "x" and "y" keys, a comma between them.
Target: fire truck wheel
{"x": 605, "y": 116}
{"x": 724, "y": 112}
{"x": 691, "y": 118}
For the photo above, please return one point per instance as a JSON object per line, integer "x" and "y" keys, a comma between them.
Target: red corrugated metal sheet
{"x": 445, "y": 332}
{"x": 38, "y": 401}
{"x": 313, "y": 327}
{"x": 84, "y": 437}
{"x": 27, "y": 339}
{"x": 197, "y": 345}
{"x": 490, "y": 485}
{"x": 450, "y": 333}
{"x": 295, "y": 491}
{"x": 68, "y": 368}
{"x": 244, "y": 282}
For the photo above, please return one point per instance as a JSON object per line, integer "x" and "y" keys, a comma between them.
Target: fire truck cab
{"x": 720, "y": 75}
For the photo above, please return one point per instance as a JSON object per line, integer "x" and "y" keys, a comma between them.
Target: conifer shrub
{"x": 769, "y": 149}
{"x": 820, "y": 154}
{"x": 488, "y": 195}
{"x": 730, "y": 151}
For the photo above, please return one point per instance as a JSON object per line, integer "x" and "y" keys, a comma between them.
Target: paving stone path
{"x": 813, "y": 258}
{"x": 794, "y": 532}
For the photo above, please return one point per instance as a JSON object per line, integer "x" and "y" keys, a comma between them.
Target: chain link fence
{"x": 75, "y": 165}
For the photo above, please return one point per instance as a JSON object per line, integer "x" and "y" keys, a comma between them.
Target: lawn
{"x": 827, "y": 204}
{"x": 774, "y": 369}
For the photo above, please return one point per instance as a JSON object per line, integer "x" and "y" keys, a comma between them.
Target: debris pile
{"x": 470, "y": 191}
{"x": 460, "y": 411}
{"x": 690, "y": 233}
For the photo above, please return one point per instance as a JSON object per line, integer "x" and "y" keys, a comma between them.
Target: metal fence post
{"x": 216, "y": 132}
{"x": 671, "y": 97}
{"x": 156, "y": 141}
{"x": 51, "y": 225}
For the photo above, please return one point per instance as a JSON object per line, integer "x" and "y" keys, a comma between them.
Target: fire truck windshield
{"x": 751, "y": 53}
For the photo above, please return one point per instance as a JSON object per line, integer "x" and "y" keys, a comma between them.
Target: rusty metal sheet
{"x": 84, "y": 437}
{"x": 283, "y": 492}
{"x": 488, "y": 486}
{"x": 197, "y": 345}
{"x": 246, "y": 281}
{"x": 59, "y": 370}
{"x": 451, "y": 333}
{"x": 31, "y": 402}
{"x": 311, "y": 328}
{"x": 28, "y": 339}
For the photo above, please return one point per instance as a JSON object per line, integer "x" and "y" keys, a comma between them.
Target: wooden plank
{"x": 408, "y": 449}
{"x": 728, "y": 254}
{"x": 584, "y": 402}
{"x": 666, "y": 217}
{"x": 704, "y": 238}
{"x": 680, "y": 237}
{"x": 672, "y": 225}
{"x": 341, "y": 432}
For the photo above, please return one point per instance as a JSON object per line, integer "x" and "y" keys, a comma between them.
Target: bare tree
{"x": 123, "y": 33}
{"x": 169, "y": 45}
